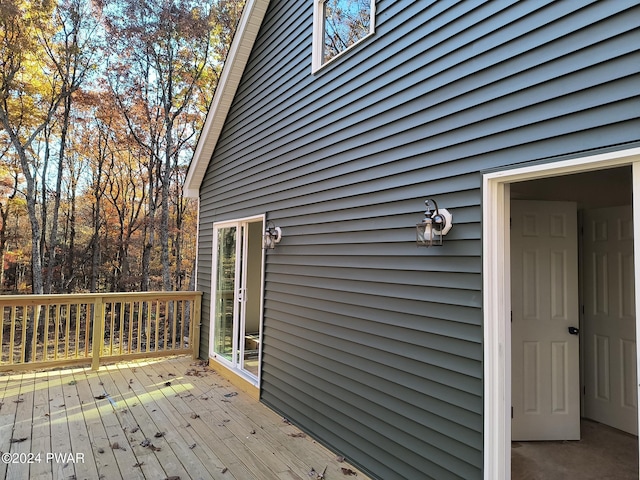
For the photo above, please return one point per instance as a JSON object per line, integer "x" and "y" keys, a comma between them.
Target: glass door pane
{"x": 252, "y": 291}
{"x": 225, "y": 304}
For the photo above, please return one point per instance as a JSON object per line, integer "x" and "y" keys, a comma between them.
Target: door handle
{"x": 574, "y": 331}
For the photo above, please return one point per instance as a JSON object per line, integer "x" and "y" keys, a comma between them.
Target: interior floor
{"x": 603, "y": 453}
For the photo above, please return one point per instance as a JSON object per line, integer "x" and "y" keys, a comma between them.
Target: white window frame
{"x": 318, "y": 35}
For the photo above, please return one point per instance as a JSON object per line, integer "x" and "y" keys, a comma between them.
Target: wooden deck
{"x": 169, "y": 418}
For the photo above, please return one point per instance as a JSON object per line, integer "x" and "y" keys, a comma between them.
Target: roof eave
{"x": 241, "y": 47}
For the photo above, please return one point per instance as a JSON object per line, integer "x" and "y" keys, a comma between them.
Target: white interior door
{"x": 609, "y": 318}
{"x": 544, "y": 296}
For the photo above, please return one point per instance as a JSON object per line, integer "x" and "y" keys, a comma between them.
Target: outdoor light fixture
{"x": 272, "y": 235}
{"x": 434, "y": 227}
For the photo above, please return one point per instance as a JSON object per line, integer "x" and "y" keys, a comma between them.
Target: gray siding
{"x": 371, "y": 344}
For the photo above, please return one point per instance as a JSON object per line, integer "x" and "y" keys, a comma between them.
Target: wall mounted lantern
{"x": 272, "y": 235}
{"x": 436, "y": 224}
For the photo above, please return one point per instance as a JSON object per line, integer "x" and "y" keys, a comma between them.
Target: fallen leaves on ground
{"x": 348, "y": 471}
{"x": 298, "y": 435}
{"x": 147, "y": 444}
{"x": 317, "y": 475}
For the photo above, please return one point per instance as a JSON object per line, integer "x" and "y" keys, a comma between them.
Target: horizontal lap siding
{"x": 371, "y": 344}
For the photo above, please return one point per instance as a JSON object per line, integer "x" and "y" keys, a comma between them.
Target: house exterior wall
{"x": 370, "y": 343}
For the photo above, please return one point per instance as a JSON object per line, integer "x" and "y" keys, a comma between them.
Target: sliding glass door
{"x": 237, "y": 306}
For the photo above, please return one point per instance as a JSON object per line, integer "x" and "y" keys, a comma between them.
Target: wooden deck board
{"x": 7, "y": 415}
{"x": 41, "y": 430}
{"x": 207, "y": 428}
{"x": 21, "y": 427}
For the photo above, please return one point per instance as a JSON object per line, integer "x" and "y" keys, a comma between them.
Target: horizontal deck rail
{"x": 44, "y": 331}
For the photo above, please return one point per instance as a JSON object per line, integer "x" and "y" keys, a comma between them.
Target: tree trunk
{"x": 166, "y": 182}
{"x": 53, "y": 238}
{"x": 36, "y": 266}
{"x": 149, "y": 230}
{"x": 72, "y": 239}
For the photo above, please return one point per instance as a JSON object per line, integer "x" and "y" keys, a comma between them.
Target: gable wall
{"x": 370, "y": 343}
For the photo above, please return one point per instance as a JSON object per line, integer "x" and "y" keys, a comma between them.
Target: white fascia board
{"x": 241, "y": 46}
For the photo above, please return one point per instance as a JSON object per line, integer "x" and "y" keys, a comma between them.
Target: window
{"x": 338, "y": 25}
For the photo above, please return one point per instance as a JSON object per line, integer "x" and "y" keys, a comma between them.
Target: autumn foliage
{"x": 100, "y": 107}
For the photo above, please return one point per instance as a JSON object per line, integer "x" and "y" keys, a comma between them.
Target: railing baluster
{"x": 77, "y": 340}
{"x": 157, "y": 324}
{"x": 35, "y": 312}
{"x": 139, "y": 318}
{"x": 121, "y": 332}
{"x": 180, "y": 334}
{"x": 12, "y": 334}
{"x": 67, "y": 326}
{"x": 45, "y": 327}
{"x": 56, "y": 330}
{"x": 89, "y": 314}
{"x": 174, "y": 332}
{"x": 130, "y": 327}
{"x": 23, "y": 340}
{"x": 166, "y": 320}
{"x": 97, "y": 338}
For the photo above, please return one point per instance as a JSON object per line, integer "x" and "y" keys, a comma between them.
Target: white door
{"x": 544, "y": 297}
{"x": 609, "y": 318}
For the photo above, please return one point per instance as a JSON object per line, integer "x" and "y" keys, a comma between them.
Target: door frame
{"x": 253, "y": 380}
{"x": 496, "y": 268}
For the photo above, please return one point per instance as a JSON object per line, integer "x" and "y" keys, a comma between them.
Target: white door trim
{"x": 497, "y": 291}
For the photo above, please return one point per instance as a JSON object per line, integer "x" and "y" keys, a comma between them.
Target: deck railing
{"x": 43, "y": 331}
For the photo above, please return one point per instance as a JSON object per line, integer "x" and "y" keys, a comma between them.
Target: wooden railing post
{"x": 195, "y": 322}
{"x": 97, "y": 335}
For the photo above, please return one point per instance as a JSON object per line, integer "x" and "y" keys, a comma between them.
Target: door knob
{"x": 574, "y": 331}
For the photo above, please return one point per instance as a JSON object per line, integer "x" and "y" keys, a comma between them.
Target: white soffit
{"x": 241, "y": 46}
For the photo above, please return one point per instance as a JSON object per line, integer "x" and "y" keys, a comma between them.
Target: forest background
{"x": 101, "y": 103}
